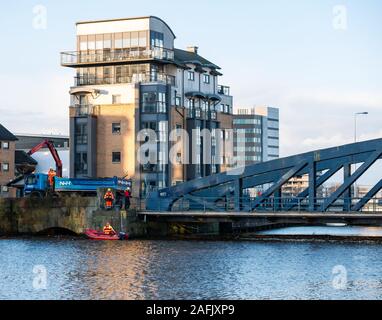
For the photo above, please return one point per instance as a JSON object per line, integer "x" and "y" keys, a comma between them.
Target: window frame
{"x": 5, "y": 145}
{"x": 191, "y": 75}
{"x": 5, "y": 167}
{"x": 114, "y": 153}
{"x": 115, "y": 125}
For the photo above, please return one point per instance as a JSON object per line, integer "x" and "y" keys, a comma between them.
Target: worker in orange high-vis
{"x": 108, "y": 230}
{"x": 51, "y": 175}
{"x": 109, "y": 199}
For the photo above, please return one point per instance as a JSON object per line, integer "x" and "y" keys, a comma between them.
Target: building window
{"x": 247, "y": 121}
{"x": 198, "y": 136}
{"x": 157, "y": 39}
{"x": 5, "y": 145}
{"x": 191, "y": 103}
{"x": 154, "y": 102}
{"x": 178, "y": 101}
{"x": 5, "y": 167}
{"x": 206, "y": 78}
{"x": 162, "y": 102}
{"x": 81, "y": 163}
{"x": 116, "y": 128}
{"x": 81, "y": 133}
{"x": 191, "y": 75}
{"x": 162, "y": 131}
{"x": 116, "y": 99}
{"x": 116, "y": 157}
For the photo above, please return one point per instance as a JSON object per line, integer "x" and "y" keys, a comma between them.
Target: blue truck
{"x": 37, "y": 185}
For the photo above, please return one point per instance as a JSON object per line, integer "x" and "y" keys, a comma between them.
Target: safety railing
{"x": 248, "y": 204}
{"x": 78, "y": 58}
{"x": 82, "y": 110}
{"x": 87, "y": 80}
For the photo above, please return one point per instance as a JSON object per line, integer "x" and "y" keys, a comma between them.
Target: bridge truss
{"x": 320, "y": 165}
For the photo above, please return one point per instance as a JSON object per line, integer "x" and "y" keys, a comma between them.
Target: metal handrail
{"x": 70, "y": 58}
{"x": 83, "y": 109}
{"x": 273, "y": 205}
{"x": 85, "y": 80}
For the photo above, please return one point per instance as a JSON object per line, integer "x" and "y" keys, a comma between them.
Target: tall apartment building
{"x": 262, "y": 137}
{"x": 7, "y": 161}
{"x": 129, "y": 77}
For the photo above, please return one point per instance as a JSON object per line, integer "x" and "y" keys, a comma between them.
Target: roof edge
{"x": 124, "y": 19}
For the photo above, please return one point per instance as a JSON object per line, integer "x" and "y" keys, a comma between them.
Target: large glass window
{"x": 81, "y": 133}
{"x": 135, "y": 39}
{"x": 149, "y": 102}
{"x": 143, "y": 39}
{"x": 107, "y": 42}
{"x": 81, "y": 163}
{"x": 162, "y": 102}
{"x": 126, "y": 40}
{"x": 163, "y": 131}
{"x": 118, "y": 42}
{"x": 154, "y": 102}
{"x": 191, "y": 104}
{"x": 99, "y": 42}
{"x": 157, "y": 39}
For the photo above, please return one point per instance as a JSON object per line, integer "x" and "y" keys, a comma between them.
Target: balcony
{"x": 77, "y": 59}
{"x": 224, "y": 90}
{"x": 80, "y": 110}
{"x": 91, "y": 80}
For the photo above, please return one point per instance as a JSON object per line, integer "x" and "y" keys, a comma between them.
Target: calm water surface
{"x": 82, "y": 269}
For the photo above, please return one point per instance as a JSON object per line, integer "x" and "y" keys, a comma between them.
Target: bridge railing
{"x": 292, "y": 204}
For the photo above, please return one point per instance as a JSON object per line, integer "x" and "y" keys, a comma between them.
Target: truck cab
{"x": 36, "y": 185}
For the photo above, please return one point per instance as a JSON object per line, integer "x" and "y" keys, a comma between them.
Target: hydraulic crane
{"x": 50, "y": 145}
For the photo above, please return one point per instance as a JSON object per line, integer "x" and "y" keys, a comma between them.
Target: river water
{"x": 80, "y": 269}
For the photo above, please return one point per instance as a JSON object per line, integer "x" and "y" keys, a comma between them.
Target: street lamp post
{"x": 355, "y": 141}
{"x": 355, "y": 123}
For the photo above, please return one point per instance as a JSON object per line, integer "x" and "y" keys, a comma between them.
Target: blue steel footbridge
{"x": 226, "y": 191}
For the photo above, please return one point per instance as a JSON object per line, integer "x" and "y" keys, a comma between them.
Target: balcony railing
{"x": 87, "y": 80}
{"x": 78, "y": 58}
{"x": 81, "y": 110}
{"x": 224, "y": 90}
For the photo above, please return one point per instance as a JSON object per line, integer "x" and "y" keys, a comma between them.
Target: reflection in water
{"x": 329, "y": 230}
{"x": 81, "y": 269}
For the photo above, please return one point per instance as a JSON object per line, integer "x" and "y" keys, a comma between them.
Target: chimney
{"x": 193, "y": 49}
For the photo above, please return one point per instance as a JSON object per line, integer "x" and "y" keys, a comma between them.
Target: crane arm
{"x": 53, "y": 151}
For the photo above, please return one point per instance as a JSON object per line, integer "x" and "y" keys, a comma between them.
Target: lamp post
{"x": 355, "y": 123}
{"x": 355, "y": 141}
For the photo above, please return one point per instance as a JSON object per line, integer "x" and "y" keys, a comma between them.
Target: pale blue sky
{"x": 281, "y": 53}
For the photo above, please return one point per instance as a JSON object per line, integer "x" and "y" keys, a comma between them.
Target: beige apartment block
{"x": 131, "y": 77}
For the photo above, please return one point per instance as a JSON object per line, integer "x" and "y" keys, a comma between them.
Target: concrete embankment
{"x": 75, "y": 215}
{"x": 33, "y": 216}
